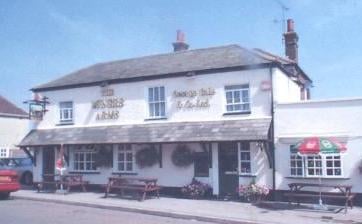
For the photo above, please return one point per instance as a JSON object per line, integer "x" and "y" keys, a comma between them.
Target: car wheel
{"x": 27, "y": 178}
{"x": 4, "y": 195}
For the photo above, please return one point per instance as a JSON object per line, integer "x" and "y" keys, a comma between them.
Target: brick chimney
{"x": 180, "y": 44}
{"x": 291, "y": 41}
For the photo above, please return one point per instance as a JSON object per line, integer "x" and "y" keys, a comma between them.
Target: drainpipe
{"x": 272, "y": 146}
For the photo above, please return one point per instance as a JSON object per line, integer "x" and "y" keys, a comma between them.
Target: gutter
{"x": 272, "y": 145}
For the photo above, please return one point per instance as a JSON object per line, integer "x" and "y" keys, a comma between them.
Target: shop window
{"x": 201, "y": 164}
{"x": 156, "y": 102}
{"x": 84, "y": 158}
{"x": 66, "y": 112}
{"x": 245, "y": 158}
{"x": 296, "y": 164}
{"x": 315, "y": 165}
{"x": 237, "y": 98}
{"x": 333, "y": 165}
{"x": 125, "y": 158}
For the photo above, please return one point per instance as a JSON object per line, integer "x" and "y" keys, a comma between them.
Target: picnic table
{"x": 297, "y": 192}
{"x": 140, "y": 185}
{"x": 55, "y": 181}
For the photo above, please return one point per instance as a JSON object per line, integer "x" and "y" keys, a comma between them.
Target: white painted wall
{"x": 135, "y": 108}
{"x": 337, "y": 118}
{"x": 285, "y": 90}
{"x": 12, "y": 130}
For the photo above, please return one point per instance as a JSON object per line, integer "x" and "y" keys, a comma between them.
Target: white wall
{"x": 135, "y": 108}
{"x": 333, "y": 118}
{"x": 12, "y": 130}
{"x": 285, "y": 90}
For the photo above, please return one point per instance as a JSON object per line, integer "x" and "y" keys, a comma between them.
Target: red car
{"x": 8, "y": 183}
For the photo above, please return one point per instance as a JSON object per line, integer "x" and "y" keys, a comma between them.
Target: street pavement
{"x": 17, "y": 211}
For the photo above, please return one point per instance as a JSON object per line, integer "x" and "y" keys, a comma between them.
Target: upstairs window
{"x": 66, "y": 112}
{"x": 237, "y": 98}
{"x": 156, "y": 102}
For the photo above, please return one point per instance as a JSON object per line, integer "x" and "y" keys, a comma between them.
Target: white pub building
{"x": 145, "y": 116}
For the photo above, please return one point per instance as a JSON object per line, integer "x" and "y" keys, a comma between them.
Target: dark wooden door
{"x": 228, "y": 169}
{"x": 48, "y": 163}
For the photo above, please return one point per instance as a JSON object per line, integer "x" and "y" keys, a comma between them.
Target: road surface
{"x": 17, "y": 211}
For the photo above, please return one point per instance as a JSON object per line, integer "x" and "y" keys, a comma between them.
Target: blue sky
{"x": 43, "y": 40}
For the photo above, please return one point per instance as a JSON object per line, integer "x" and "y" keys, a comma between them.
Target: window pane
{"x": 152, "y": 110}
{"x": 229, "y": 97}
{"x": 150, "y": 94}
{"x": 129, "y": 156}
{"x": 156, "y": 94}
{"x": 162, "y": 109}
{"x": 157, "y": 110}
{"x": 162, "y": 93}
{"x": 229, "y": 108}
{"x": 237, "y": 107}
{"x": 129, "y": 166}
{"x": 121, "y": 166}
{"x": 237, "y": 97}
{"x": 121, "y": 157}
{"x": 246, "y": 107}
{"x": 245, "y": 95}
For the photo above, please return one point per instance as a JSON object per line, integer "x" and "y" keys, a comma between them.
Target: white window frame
{"x": 84, "y": 150}
{"x": 314, "y": 159}
{"x": 241, "y": 149}
{"x": 334, "y": 168}
{"x": 125, "y": 149}
{"x": 4, "y": 152}
{"x": 156, "y": 103}
{"x": 66, "y": 110}
{"x": 323, "y": 161}
{"x": 233, "y": 89}
{"x": 296, "y": 158}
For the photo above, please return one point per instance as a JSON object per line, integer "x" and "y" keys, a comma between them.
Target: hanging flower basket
{"x": 104, "y": 156}
{"x": 182, "y": 156}
{"x": 147, "y": 157}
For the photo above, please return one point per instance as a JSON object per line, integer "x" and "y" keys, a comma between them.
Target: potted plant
{"x": 253, "y": 192}
{"x": 196, "y": 189}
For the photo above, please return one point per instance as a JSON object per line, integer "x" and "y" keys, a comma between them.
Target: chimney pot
{"x": 180, "y": 44}
{"x": 290, "y": 26}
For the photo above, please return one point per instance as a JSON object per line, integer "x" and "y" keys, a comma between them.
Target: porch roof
{"x": 208, "y": 131}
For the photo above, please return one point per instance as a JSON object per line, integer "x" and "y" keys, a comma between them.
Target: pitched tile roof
{"x": 161, "y": 64}
{"x": 9, "y": 109}
{"x": 231, "y": 130}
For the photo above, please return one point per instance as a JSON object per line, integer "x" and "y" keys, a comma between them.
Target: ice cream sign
{"x": 193, "y": 99}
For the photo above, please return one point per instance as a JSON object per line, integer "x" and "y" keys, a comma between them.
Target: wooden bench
{"x": 68, "y": 181}
{"x": 74, "y": 180}
{"x": 140, "y": 185}
{"x": 295, "y": 194}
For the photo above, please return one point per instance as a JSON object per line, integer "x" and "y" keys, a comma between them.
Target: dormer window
{"x": 66, "y": 112}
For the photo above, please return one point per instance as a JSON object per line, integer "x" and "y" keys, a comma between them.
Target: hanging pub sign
{"x": 193, "y": 99}
{"x": 108, "y": 106}
{"x": 37, "y": 107}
